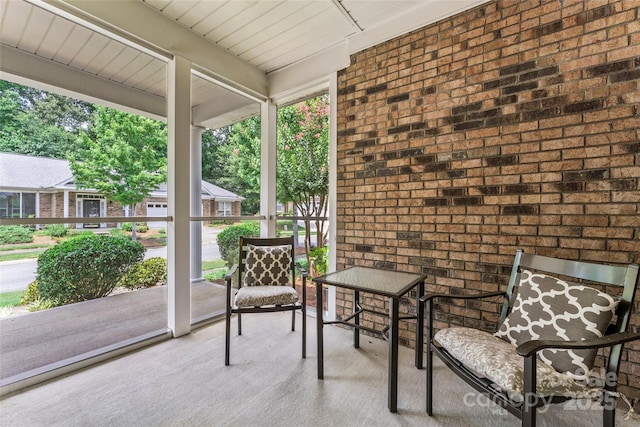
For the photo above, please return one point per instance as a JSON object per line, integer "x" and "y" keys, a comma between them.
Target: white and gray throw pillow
{"x": 547, "y": 308}
{"x": 267, "y": 265}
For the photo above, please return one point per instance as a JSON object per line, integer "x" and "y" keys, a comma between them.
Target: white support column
{"x": 333, "y": 188}
{"x": 268, "y": 123}
{"x": 196, "y": 203}
{"x": 38, "y": 208}
{"x": 178, "y": 195}
{"x": 65, "y": 208}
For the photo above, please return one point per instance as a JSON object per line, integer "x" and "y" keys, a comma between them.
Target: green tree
{"x": 213, "y": 163}
{"x": 39, "y": 123}
{"x": 123, "y": 156}
{"x": 231, "y": 160}
{"x": 303, "y": 163}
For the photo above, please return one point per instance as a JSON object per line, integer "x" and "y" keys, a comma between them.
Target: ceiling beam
{"x": 231, "y": 117}
{"x": 308, "y": 71}
{"x": 144, "y": 23}
{"x": 26, "y": 69}
{"x": 203, "y": 114}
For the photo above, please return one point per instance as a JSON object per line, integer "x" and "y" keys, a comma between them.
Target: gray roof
{"x": 218, "y": 192}
{"x": 20, "y": 171}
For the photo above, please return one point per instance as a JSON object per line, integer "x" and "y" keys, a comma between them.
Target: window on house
{"x": 17, "y": 205}
{"x": 224, "y": 209}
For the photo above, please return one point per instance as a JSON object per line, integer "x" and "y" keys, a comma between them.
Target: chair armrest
{"x": 428, "y": 296}
{"x": 530, "y": 347}
{"x": 230, "y": 272}
{"x": 302, "y": 270}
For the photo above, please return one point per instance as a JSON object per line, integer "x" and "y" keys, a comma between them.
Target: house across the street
{"x": 43, "y": 187}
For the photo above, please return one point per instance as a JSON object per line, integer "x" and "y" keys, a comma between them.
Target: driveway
{"x": 16, "y": 275}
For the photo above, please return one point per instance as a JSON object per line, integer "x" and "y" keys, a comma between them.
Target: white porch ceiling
{"x": 115, "y": 52}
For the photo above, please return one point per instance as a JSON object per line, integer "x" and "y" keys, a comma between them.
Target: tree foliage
{"x": 303, "y": 162}
{"x": 124, "y": 157}
{"x": 40, "y": 123}
{"x": 231, "y": 160}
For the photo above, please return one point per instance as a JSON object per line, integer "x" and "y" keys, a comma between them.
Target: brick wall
{"x": 512, "y": 125}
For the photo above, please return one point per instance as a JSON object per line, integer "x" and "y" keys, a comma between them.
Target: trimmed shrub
{"x": 140, "y": 228}
{"x": 145, "y": 274}
{"x": 40, "y": 304}
{"x": 12, "y": 234}
{"x": 117, "y": 232}
{"x": 55, "y": 230}
{"x": 31, "y": 295}
{"x": 75, "y": 232}
{"x": 228, "y": 240}
{"x": 85, "y": 267}
{"x": 319, "y": 260}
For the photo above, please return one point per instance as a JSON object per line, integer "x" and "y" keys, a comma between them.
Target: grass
{"x": 23, "y": 247}
{"x": 20, "y": 255}
{"x": 216, "y": 269}
{"x": 11, "y": 299}
{"x": 215, "y": 274}
{"x": 213, "y": 265}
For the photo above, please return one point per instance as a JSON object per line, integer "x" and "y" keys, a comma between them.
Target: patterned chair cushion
{"x": 495, "y": 359}
{"x": 267, "y": 265}
{"x": 550, "y": 308}
{"x": 256, "y": 296}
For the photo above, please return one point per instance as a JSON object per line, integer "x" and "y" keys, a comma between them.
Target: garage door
{"x": 157, "y": 209}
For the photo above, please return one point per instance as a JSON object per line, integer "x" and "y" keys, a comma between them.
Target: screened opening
{"x": 303, "y": 182}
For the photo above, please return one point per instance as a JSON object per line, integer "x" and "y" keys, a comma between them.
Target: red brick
{"x": 569, "y": 143}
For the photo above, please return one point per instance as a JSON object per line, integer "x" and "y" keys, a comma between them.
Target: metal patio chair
{"x": 552, "y": 324}
{"x": 266, "y": 273}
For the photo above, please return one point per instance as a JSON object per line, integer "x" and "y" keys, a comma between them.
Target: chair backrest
{"x": 269, "y": 241}
{"x": 620, "y": 276}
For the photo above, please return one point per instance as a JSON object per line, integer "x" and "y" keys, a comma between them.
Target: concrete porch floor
{"x": 184, "y": 382}
{"x": 34, "y": 342}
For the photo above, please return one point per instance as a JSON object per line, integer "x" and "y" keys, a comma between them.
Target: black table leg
{"x": 394, "y": 308}
{"x": 356, "y": 330}
{"x": 319, "y": 332}
{"x": 419, "y": 326}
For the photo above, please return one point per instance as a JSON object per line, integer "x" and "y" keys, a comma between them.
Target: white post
{"x": 178, "y": 195}
{"x": 333, "y": 186}
{"x": 196, "y": 203}
{"x": 65, "y": 208}
{"x": 268, "y": 123}
{"x": 38, "y": 204}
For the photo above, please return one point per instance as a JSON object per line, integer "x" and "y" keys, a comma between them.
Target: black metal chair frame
{"x": 615, "y": 337}
{"x": 239, "y": 270}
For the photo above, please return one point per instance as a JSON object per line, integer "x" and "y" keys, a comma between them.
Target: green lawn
{"x": 217, "y": 268}
{"x": 212, "y": 265}
{"x": 6, "y": 248}
{"x": 19, "y": 255}
{"x": 215, "y": 274}
{"x": 10, "y": 299}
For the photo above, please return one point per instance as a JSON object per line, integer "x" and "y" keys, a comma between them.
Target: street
{"x": 16, "y": 275}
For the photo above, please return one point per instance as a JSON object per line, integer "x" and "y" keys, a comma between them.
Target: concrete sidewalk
{"x": 31, "y": 341}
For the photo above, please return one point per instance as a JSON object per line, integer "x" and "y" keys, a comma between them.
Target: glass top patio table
{"x": 391, "y": 284}
{"x": 373, "y": 280}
